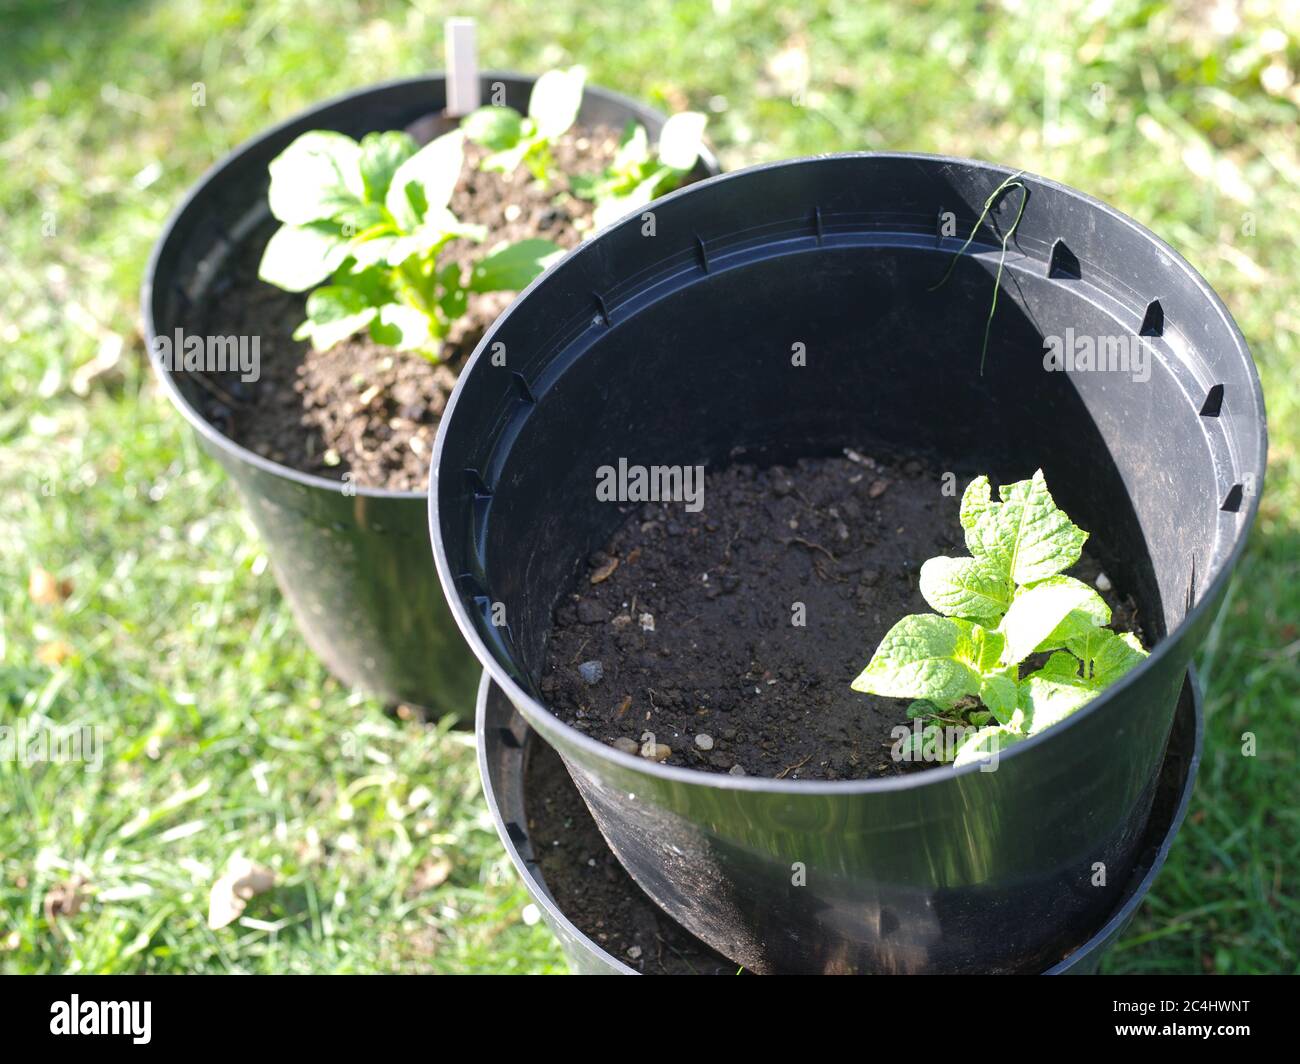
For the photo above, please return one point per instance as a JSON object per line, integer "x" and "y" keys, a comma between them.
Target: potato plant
{"x": 1005, "y": 602}
{"x": 372, "y": 219}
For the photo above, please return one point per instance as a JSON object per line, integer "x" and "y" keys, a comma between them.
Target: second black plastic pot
{"x": 506, "y": 743}
{"x": 676, "y": 351}
{"x": 352, "y": 561}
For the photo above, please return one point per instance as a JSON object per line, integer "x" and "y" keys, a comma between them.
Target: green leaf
{"x": 495, "y": 128}
{"x": 912, "y": 746}
{"x": 1106, "y": 655}
{"x": 610, "y": 210}
{"x": 334, "y": 312}
{"x": 1049, "y": 701}
{"x": 1025, "y": 536}
{"x": 555, "y": 100}
{"x": 1000, "y": 695}
{"x": 367, "y": 253}
{"x": 587, "y": 186}
{"x": 439, "y": 227}
{"x": 357, "y": 220}
{"x": 1060, "y": 666}
{"x": 922, "y": 708}
{"x": 299, "y": 256}
{"x": 381, "y": 155}
{"x": 454, "y": 300}
{"x": 507, "y": 160}
{"x": 511, "y": 268}
{"x": 985, "y": 649}
{"x": 633, "y": 148}
{"x": 315, "y": 177}
{"x": 426, "y": 180}
{"x": 681, "y": 140}
{"x": 975, "y": 515}
{"x": 1091, "y": 613}
{"x": 1058, "y": 604}
{"x": 402, "y": 327}
{"x": 923, "y": 656}
{"x": 965, "y": 587}
{"x": 984, "y": 743}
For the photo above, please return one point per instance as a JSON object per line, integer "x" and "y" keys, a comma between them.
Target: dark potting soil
{"x": 591, "y": 887}
{"x": 360, "y": 410}
{"x": 691, "y": 617}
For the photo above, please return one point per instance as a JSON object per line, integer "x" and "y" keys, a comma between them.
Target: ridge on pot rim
{"x": 351, "y": 559}
{"x": 674, "y": 349}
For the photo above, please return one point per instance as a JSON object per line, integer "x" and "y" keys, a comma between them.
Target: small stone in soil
{"x": 634, "y": 952}
{"x": 591, "y": 671}
{"x": 704, "y": 742}
{"x": 653, "y": 751}
{"x": 1103, "y": 582}
{"x": 737, "y": 770}
{"x": 647, "y": 622}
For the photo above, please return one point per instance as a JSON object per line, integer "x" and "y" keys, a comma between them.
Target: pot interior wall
{"x": 707, "y": 378}
{"x": 668, "y": 340}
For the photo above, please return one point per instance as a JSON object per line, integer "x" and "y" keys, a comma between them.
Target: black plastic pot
{"x": 506, "y": 742}
{"x": 676, "y": 351}
{"x": 354, "y": 567}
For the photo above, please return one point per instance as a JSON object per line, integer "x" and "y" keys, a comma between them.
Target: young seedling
{"x": 1007, "y": 601}
{"x": 635, "y": 177}
{"x": 373, "y": 219}
{"x": 1012, "y": 182}
{"x": 514, "y": 138}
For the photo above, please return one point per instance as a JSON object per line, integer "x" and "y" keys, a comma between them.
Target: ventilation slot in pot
{"x": 1064, "y": 264}
{"x": 1153, "y": 321}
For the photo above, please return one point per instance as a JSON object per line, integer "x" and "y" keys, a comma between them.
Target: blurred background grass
{"x": 162, "y": 625}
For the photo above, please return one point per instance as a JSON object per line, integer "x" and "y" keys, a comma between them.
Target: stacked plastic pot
{"x": 652, "y": 348}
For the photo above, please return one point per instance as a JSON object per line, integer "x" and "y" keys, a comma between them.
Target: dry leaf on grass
{"x": 64, "y": 899}
{"x": 229, "y": 895}
{"x": 46, "y": 589}
{"x": 433, "y": 873}
{"x": 54, "y": 653}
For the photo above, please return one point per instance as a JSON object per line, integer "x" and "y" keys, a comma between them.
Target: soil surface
{"x": 591, "y": 887}
{"x": 361, "y": 410}
{"x": 692, "y": 618}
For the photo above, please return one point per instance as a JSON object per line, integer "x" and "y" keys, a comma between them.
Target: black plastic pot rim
{"x": 213, "y": 174}
{"x": 538, "y": 712}
{"x": 1100, "y": 939}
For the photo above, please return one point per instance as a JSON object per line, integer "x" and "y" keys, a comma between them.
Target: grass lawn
{"x": 162, "y": 626}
